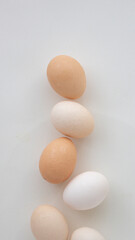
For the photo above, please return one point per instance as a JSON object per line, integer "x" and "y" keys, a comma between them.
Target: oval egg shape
{"x": 72, "y": 119}
{"x": 85, "y": 233}
{"x": 86, "y": 191}
{"x": 58, "y": 160}
{"x": 66, "y": 76}
{"x": 48, "y": 223}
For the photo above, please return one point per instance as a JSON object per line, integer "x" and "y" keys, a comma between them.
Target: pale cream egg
{"x": 48, "y": 223}
{"x": 85, "y": 233}
{"x": 72, "y": 119}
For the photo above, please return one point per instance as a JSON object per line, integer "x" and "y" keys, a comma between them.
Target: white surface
{"x": 99, "y": 34}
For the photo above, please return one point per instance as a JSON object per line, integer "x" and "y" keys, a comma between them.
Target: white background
{"x": 101, "y": 35}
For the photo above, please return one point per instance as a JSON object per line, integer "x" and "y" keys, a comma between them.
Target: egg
{"x": 58, "y": 160}
{"x": 66, "y": 76}
{"x": 47, "y": 223}
{"x": 86, "y": 191}
{"x": 86, "y": 233}
{"x": 72, "y": 119}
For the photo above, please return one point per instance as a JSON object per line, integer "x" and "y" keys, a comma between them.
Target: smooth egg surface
{"x": 47, "y": 223}
{"x": 66, "y": 76}
{"x": 72, "y": 119}
{"x": 86, "y": 233}
{"x": 86, "y": 191}
{"x": 58, "y": 160}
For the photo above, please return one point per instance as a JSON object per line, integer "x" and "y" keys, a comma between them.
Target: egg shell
{"x": 48, "y": 223}
{"x": 72, "y": 119}
{"x": 66, "y": 76}
{"x": 58, "y": 160}
{"x": 86, "y": 191}
{"x": 86, "y": 233}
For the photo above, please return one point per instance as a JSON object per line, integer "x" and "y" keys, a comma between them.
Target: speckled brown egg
{"x": 58, "y": 160}
{"x": 66, "y": 76}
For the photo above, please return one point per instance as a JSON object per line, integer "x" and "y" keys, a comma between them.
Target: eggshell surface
{"x": 86, "y": 191}
{"x": 47, "y": 223}
{"x": 86, "y": 233}
{"x": 58, "y": 160}
{"x": 72, "y": 119}
{"x": 66, "y": 76}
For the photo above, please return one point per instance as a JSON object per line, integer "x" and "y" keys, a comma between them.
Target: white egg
{"x": 86, "y": 233}
{"x": 72, "y": 119}
{"x": 86, "y": 191}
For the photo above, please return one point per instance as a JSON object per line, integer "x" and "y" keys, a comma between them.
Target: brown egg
{"x": 58, "y": 160}
{"x": 66, "y": 76}
{"x": 47, "y": 223}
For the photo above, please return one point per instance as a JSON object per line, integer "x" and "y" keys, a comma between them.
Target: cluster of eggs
{"x": 58, "y": 159}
